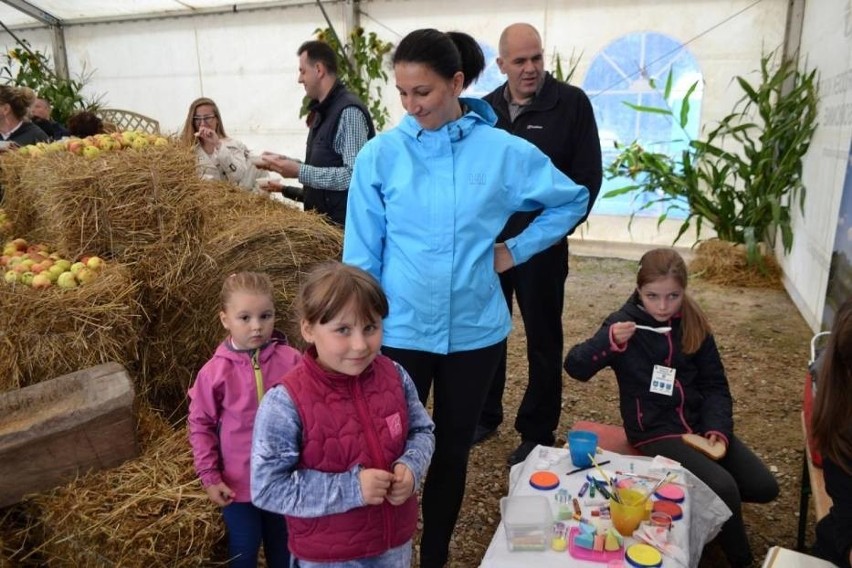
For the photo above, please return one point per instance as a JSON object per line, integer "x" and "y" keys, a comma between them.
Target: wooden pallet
{"x": 58, "y": 429}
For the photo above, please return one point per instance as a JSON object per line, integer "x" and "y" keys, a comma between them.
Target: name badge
{"x": 662, "y": 381}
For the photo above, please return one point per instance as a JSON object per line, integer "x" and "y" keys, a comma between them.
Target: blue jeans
{"x": 247, "y": 526}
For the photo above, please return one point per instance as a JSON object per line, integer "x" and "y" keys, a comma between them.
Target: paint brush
{"x": 585, "y": 467}
{"x": 606, "y": 477}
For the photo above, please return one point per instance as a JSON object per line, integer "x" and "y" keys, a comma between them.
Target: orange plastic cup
{"x": 629, "y": 512}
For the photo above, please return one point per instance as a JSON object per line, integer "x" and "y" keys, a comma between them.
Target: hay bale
{"x": 240, "y": 232}
{"x": 151, "y": 511}
{"x": 117, "y": 205}
{"x": 51, "y": 332}
{"x": 725, "y": 263}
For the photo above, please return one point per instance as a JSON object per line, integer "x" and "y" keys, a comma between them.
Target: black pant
{"x": 739, "y": 477}
{"x": 539, "y": 285}
{"x": 460, "y": 382}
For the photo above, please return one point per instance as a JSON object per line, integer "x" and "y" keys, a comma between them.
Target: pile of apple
{"x": 92, "y": 146}
{"x": 37, "y": 266}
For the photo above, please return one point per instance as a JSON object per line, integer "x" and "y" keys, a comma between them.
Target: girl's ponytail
{"x": 696, "y": 326}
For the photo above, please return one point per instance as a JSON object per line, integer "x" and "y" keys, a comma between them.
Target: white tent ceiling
{"x": 36, "y": 13}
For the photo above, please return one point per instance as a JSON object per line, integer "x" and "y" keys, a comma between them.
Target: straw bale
{"x": 150, "y": 511}
{"x": 51, "y": 332}
{"x": 725, "y": 263}
{"x": 240, "y": 231}
{"x": 117, "y": 205}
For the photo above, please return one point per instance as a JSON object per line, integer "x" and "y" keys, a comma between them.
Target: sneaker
{"x": 521, "y": 452}
{"x": 482, "y": 433}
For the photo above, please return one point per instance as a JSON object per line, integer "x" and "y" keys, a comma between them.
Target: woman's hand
{"x": 402, "y": 486}
{"x": 220, "y": 494}
{"x": 374, "y": 485}
{"x": 208, "y": 138}
{"x": 622, "y": 331}
{"x": 503, "y": 260}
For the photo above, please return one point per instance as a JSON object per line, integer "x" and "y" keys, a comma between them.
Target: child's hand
{"x": 374, "y": 485}
{"x": 622, "y": 331}
{"x": 220, "y": 494}
{"x": 402, "y": 486}
{"x": 715, "y": 439}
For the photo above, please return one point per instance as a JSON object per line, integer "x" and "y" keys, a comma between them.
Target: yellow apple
{"x": 86, "y": 275}
{"x": 139, "y": 142}
{"x": 91, "y": 152}
{"x": 11, "y": 276}
{"x": 66, "y": 280}
{"x": 41, "y": 281}
{"x": 94, "y": 262}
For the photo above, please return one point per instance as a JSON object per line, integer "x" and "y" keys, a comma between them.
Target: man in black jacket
{"x": 559, "y": 120}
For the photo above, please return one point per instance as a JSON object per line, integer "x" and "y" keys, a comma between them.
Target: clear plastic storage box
{"x": 528, "y": 521}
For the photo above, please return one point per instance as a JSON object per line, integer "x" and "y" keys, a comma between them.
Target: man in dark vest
{"x": 559, "y": 120}
{"x": 339, "y": 124}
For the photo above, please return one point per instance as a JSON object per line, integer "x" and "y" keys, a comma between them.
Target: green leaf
{"x": 684, "y": 107}
{"x": 668, "y": 90}
{"x": 621, "y": 191}
{"x": 642, "y": 108}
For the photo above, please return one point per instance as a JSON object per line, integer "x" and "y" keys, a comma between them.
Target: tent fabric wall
{"x": 826, "y": 45}
{"x": 247, "y": 63}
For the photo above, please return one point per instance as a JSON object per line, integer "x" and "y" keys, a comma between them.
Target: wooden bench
{"x": 610, "y": 437}
{"x": 813, "y": 484}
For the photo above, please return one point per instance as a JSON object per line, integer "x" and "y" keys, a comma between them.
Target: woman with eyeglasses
{"x": 219, "y": 157}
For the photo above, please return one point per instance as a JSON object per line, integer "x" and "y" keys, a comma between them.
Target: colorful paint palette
{"x": 544, "y": 480}
{"x": 670, "y": 508}
{"x": 670, "y": 493}
{"x": 643, "y": 556}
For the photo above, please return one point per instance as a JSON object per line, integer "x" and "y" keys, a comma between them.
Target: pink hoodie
{"x": 223, "y": 404}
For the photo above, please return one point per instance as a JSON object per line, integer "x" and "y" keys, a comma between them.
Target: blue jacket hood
{"x": 478, "y": 111}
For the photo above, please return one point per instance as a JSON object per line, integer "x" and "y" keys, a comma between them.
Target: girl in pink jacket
{"x": 223, "y": 403}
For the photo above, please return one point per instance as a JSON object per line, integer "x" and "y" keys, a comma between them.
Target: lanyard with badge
{"x": 662, "y": 380}
{"x": 663, "y": 377}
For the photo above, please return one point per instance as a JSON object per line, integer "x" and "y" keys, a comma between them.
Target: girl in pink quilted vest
{"x": 342, "y": 446}
{"x": 223, "y": 403}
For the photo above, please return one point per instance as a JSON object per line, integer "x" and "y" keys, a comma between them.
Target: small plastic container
{"x": 581, "y": 445}
{"x": 528, "y": 521}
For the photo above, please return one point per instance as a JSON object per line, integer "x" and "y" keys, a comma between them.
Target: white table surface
{"x": 779, "y": 557}
{"x": 703, "y": 511}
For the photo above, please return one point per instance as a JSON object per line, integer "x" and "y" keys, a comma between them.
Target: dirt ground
{"x": 764, "y": 344}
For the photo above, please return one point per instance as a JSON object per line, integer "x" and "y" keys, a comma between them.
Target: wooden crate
{"x": 58, "y": 429}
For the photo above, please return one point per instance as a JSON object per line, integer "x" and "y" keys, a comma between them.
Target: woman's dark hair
{"x": 832, "y": 417}
{"x": 85, "y": 123}
{"x": 445, "y": 53}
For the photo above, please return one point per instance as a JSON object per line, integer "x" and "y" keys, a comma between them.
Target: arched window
{"x": 634, "y": 69}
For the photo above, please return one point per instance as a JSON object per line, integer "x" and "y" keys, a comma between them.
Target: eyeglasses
{"x": 203, "y": 118}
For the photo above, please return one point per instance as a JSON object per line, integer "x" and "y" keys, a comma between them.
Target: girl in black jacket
{"x": 672, "y": 384}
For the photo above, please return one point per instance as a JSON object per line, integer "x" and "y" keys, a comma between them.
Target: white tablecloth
{"x": 703, "y": 511}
